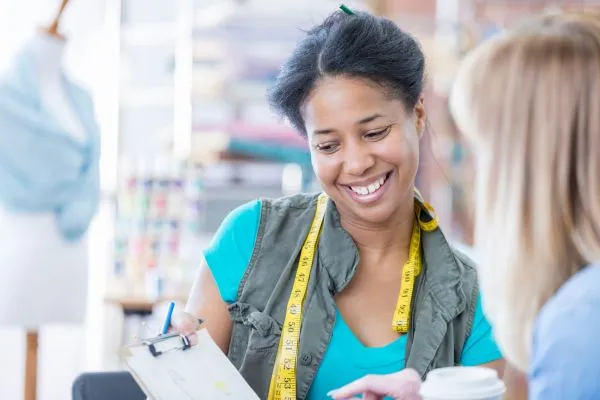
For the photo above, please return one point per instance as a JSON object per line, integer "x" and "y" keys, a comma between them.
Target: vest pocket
{"x": 265, "y": 330}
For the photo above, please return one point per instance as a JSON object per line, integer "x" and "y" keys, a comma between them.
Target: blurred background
{"x": 179, "y": 89}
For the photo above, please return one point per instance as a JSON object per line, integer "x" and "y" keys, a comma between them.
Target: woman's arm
{"x": 219, "y": 276}
{"x": 499, "y": 366}
{"x": 205, "y": 303}
{"x": 406, "y": 384}
{"x": 516, "y": 384}
{"x": 515, "y": 381}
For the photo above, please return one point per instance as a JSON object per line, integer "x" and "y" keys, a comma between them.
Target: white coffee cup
{"x": 462, "y": 383}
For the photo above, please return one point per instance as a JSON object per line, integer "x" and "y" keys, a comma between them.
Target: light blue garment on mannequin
{"x": 42, "y": 168}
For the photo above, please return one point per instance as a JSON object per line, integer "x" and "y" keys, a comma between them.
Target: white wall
{"x": 83, "y": 22}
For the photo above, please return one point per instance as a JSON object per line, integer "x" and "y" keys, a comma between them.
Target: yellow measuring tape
{"x": 412, "y": 268}
{"x": 283, "y": 380}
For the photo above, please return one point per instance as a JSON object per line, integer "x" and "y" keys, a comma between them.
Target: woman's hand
{"x": 185, "y": 324}
{"x": 403, "y": 385}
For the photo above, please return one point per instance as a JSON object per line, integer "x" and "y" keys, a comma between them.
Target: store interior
{"x": 186, "y": 136}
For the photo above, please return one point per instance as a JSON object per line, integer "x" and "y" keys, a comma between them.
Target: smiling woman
{"x": 370, "y": 285}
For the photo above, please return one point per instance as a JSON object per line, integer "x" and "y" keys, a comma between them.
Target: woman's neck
{"x": 381, "y": 240}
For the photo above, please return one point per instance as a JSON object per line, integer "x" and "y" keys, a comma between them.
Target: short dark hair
{"x": 359, "y": 46}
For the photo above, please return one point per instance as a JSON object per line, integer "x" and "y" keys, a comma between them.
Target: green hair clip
{"x": 346, "y": 9}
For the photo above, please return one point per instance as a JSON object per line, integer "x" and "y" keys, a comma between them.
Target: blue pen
{"x": 167, "y": 324}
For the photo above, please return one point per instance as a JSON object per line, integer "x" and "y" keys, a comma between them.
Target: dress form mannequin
{"x": 43, "y": 276}
{"x": 35, "y": 260}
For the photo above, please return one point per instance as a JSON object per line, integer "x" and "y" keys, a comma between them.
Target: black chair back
{"x": 106, "y": 386}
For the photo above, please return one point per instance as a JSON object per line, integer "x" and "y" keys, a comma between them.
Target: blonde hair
{"x": 530, "y": 103}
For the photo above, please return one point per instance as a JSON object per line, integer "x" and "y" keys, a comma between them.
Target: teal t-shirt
{"x": 346, "y": 358}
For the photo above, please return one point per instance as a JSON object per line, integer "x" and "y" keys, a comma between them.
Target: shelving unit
{"x": 242, "y": 56}
{"x": 158, "y": 193}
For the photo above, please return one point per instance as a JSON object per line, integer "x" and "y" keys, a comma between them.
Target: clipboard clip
{"x": 153, "y": 344}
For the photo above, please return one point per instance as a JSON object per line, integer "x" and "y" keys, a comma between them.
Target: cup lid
{"x": 459, "y": 383}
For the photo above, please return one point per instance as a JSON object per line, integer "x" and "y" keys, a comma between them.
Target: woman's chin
{"x": 379, "y": 214}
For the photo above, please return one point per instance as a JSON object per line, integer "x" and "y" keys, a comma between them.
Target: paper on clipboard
{"x": 199, "y": 372}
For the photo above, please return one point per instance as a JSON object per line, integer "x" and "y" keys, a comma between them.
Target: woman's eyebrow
{"x": 361, "y": 121}
{"x": 368, "y": 119}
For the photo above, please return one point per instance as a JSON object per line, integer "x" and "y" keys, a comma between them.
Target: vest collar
{"x": 338, "y": 253}
{"x": 442, "y": 275}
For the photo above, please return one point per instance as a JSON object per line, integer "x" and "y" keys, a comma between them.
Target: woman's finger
{"x": 369, "y": 383}
{"x": 193, "y": 337}
{"x": 401, "y": 385}
{"x": 371, "y": 396}
{"x": 185, "y": 323}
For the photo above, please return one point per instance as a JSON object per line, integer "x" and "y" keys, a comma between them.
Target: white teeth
{"x": 364, "y": 190}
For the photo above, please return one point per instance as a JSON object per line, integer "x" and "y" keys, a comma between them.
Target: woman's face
{"x": 364, "y": 147}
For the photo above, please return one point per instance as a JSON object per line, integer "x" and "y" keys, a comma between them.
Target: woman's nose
{"x": 358, "y": 160}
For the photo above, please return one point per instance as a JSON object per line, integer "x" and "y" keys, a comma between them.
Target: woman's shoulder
{"x": 250, "y": 211}
{"x": 578, "y": 297}
{"x": 231, "y": 248}
{"x": 466, "y": 269}
{"x": 565, "y": 351}
{"x": 464, "y": 255}
{"x": 464, "y": 259}
{"x": 288, "y": 210}
{"x": 299, "y": 201}
{"x": 580, "y": 292}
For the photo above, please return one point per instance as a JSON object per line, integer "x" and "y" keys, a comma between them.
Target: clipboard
{"x": 168, "y": 367}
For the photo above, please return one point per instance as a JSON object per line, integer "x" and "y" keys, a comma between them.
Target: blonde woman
{"x": 530, "y": 103}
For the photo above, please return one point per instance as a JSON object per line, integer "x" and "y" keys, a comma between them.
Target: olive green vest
{"x": 442, "y": 311}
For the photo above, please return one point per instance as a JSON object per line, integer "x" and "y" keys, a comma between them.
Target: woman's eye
{"x": 378, "y": 133}
{"x": 327, "y": 147}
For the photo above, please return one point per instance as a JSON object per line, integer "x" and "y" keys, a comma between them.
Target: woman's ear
{"x": 420, "y": 116}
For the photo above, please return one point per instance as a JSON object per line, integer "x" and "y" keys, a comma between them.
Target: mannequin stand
{"x": 31, "y": 365}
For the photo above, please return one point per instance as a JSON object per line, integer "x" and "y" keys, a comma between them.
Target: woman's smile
{"x": 370, "y": 190}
